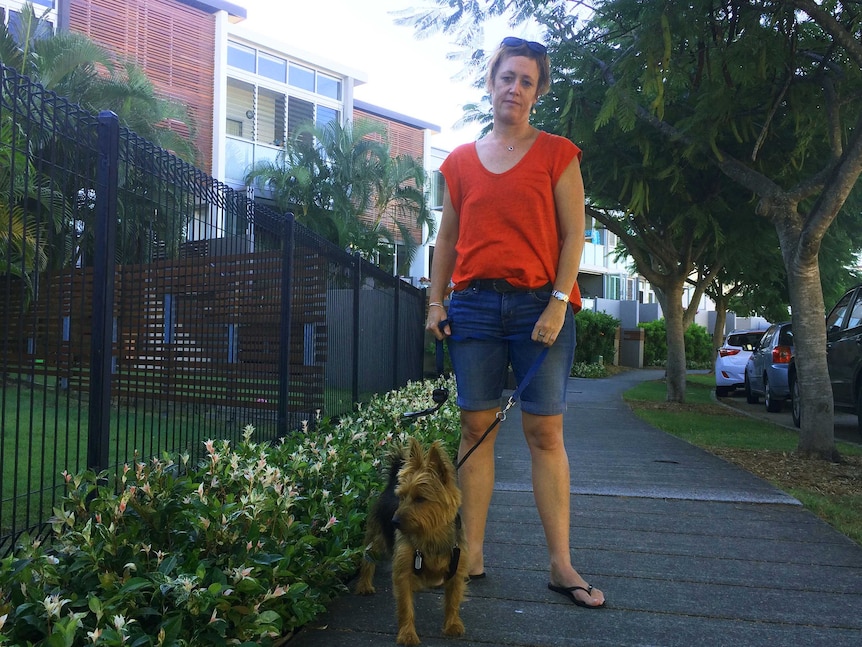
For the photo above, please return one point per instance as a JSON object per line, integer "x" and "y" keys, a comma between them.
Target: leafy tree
{"x": 763, "y": 91}
{"x": 766, "y": 93}
{"x": 342, "y": 182}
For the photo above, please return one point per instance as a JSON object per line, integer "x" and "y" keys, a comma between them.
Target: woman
{"x": 511, "y": 239}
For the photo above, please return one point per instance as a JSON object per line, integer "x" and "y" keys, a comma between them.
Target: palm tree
{"x": 73, "y": 66}
{"x": 30, "y": 211}
{"x": 342, "y": 183}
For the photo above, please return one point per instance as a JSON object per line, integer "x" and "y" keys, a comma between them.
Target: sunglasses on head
{"x": 513, "y": 41}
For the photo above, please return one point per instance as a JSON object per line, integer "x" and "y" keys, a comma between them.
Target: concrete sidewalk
{"x": 688, "y": 549}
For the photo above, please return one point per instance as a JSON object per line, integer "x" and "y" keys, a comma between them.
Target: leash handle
{"x": 439, "y": 348}
{"x": 440, "y": 394}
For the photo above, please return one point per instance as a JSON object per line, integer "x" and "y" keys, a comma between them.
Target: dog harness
{"x": 418, "y": 558}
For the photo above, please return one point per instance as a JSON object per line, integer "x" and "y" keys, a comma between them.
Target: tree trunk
{"x": 817, "y": 433}
{"x": 670, "y": 300}
{"x": 720, "y": 323}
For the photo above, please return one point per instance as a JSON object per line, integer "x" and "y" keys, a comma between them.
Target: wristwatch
{"x": 560, "y": 296}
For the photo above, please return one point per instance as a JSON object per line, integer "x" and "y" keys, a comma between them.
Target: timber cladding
{"x": 402, "y": 140}
{"x": 173, "y": 43}
{"x": 203, "y": 330}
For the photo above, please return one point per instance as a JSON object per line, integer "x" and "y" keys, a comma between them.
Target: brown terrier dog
{"x": 416, "y": 521}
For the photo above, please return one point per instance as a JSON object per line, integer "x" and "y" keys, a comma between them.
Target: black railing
{"x": 146, "y": 307}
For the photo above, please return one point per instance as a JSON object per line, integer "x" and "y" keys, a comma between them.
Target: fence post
{"x": 99, "y": 429}
{"x": 396, "y": 338}
{"x": 357, "y": 331}
{"x": 287, "y": 257}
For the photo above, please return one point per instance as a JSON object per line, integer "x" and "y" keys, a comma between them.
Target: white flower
{"x": 54, "y": 604}
{"x": 120, "y": 623}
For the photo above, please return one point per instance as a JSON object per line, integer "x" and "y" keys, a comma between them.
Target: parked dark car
{"x": 843, "y": 356}
{"x": 766, "y": 373}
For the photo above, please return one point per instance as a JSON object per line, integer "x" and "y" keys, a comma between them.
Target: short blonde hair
{"x": 505, "y": 51}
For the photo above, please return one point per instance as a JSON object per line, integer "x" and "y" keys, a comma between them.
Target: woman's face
{"x": 515, "y": 89}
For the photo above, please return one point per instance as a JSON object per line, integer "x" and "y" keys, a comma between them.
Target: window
{"x": 298, "y": 112}
{"x": 240, "y": 108}
{"x": 614, "y": 288}
{"x": 272, "y": 67}
{"x": 234, "y": 127}
{"x": 241, "y": 57}
{"x": 836, "y": 317}
{"x": 438, "y": 186}
{"x": 301, "y": 77}
{"x": 855, "y": 318}
{"x": 325, "y": 116}
{"x": 328, "y": 87}
{"x": 270, "y": 117}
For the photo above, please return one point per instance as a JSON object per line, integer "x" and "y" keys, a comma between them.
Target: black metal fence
{"x": 145, "y": 307}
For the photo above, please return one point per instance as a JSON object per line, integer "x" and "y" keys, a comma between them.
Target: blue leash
{"x": 501, "y": 414}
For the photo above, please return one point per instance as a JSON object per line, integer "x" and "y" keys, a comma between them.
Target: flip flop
{"x": 569, "y": 592}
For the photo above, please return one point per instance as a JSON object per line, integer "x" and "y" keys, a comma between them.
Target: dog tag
{"x": 417, "y": 561}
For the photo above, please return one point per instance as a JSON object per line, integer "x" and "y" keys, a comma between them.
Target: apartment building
{"x": 246, "y": 93}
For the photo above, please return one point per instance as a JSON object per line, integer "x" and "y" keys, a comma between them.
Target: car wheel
{"x": 773, "y": 405}
{"x": 721, "y": 391}
{"x": 750, "y": 397}
{"x": 796, "y": 403}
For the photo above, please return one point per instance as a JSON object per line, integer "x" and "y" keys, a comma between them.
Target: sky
{"x": 405, "y": 74}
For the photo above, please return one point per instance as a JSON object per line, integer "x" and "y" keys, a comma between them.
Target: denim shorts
{"x": 490, "y": 332}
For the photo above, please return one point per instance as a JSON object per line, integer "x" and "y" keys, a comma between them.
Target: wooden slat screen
{"x": 217, "y": 343}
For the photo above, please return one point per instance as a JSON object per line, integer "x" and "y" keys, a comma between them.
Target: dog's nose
{"x": 396, "y": 521}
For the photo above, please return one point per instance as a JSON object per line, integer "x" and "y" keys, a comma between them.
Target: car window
{"x": 767, "y": 338}
{"x": 786, "y": 337}
{"x": 854, "y": 318}
{"x": 749, "y": 340}
{"x": 744, "y": 340}
{"x": 836, "y": 316}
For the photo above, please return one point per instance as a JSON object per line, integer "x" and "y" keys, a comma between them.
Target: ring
{"x": 541, "y": 334}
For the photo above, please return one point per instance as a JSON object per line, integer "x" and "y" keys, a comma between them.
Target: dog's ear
{"x": 415, "y": 453}
{"x": 439, "y": 461}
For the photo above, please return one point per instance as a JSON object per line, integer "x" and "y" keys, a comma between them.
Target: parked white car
{"x": 732, "y": 358}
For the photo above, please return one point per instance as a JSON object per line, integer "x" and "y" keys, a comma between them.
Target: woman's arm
{"x": 444, "y": 264}
{"x": 571, "y": 215}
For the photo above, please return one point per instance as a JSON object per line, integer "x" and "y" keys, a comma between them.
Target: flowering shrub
{"x": 584, "y": 369}
{"x": 239, "y": 550}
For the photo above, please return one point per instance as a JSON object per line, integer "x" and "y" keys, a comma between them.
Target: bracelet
{"x": 436, "y": 303}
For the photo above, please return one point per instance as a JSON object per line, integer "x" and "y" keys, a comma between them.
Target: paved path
{"x": 689, "y": 550}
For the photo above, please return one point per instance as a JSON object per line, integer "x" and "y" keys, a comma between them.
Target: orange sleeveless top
{"x": 508, "y": 226}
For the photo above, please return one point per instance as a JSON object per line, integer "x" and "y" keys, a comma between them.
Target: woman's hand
{"x": 550, "y": 323}
{"x": 436, "y": 314}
